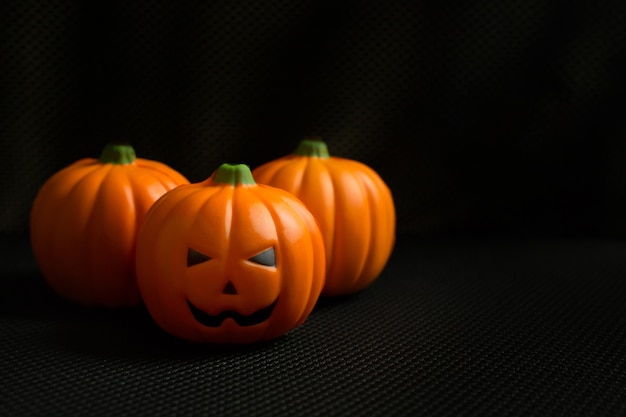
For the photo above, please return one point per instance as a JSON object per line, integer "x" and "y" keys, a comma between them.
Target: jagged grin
{"x": 209, "y": 320}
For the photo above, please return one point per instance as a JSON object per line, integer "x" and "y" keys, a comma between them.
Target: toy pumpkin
{"x": 352, "y": 204}
{"x": 228, "y": 261}
{"x": 84, "y": 222}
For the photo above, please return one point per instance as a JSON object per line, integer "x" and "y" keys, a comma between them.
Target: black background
{"x": 483, "y": 117}
{"x": 499, "y": 127}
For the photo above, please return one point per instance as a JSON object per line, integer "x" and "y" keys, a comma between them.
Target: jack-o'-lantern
{"x": 229, "y": 261}
{"x": 351, "y": 202}
{"x": 84, "y": 221}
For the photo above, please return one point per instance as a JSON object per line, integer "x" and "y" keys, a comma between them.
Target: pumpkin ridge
{"x": 102, "y": 173}
{"x": 210, "y": 200}
{"x": 323, "y": 165}
{"x": 316, "y": 242}
{"x": 228, "y": 214}
{"x": 186, "y": 188}
{"x": 269, "y": 204}
{"x": 269, "y": 170}
{"x": 336, "y": 171}
{"x": 51, "y": 215}
{"x": 161, "y": 169}
{"x": 157, "y": 209}
{"x": 286, "y": 168}
{"x": 365, "y": 175}
{"x": 138, "y": 195}
{"x": 95, "y": 167}
{"x": 371, "y": 220}
{"x": 157, "y": 175}
{"x": 87, "y": 263}
{"x": 131, "y": 289}
{"x": 383, "y": 196}
{"x": 161, "y": 213}
{"x": 256, "y": 193}
{"x": 92, "y": 249}
{"x": 332, "y": 262}
{"x": 56, "y": 227}
{"x": 246, "y": 197}
{"x": 139, "y": 215}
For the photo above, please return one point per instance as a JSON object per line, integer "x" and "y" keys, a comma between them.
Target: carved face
{"x": 229, "y": 264}
{"x": 266, "y": 258}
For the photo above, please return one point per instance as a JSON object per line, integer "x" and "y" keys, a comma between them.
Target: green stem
{"x": 237, "y": 174}
{"x": 117, "y": 153}
{"x": 314, "y": 148}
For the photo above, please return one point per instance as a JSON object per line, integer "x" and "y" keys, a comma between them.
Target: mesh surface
{"x": 451, "y": 328}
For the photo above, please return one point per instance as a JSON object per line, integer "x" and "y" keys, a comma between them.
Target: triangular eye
{"x": 267, "y": 258}
{"x": 194, "y": 257}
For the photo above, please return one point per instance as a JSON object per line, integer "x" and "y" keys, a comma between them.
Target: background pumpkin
{"x": 353, "y": 205}
{"x": 84, "y": 221}
{"x": 229, "y": 261}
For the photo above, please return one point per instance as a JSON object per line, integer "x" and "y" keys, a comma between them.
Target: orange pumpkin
{"x": 229, "y": 261}
{"x": 84, "y": 222}
{"x": 352, "y": 204}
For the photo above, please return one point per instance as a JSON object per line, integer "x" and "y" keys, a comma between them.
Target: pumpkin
{"x": 84, "y": 222}
{"x": 229, "y": 261}
{"x": 351, "y": 202}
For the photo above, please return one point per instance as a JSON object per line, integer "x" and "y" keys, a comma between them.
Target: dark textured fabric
{"x": 453, "y": 327}
{"x": 482, "y": 116}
